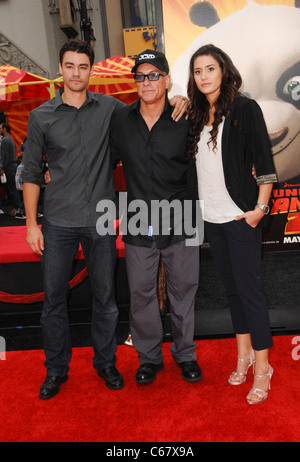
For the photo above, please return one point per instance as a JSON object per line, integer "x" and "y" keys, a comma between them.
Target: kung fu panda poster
{"x": 262, "y": 38}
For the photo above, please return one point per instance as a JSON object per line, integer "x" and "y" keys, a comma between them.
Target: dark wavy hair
{"x": 199, "y": 105}
{"x": 79, "y": 46}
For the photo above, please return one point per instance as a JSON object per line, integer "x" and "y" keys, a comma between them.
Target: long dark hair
{"x": 199, "y": 105}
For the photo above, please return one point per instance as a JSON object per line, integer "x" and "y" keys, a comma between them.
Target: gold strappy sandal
{"x": 240, "y": 377}
{"x": 262, "y": 394}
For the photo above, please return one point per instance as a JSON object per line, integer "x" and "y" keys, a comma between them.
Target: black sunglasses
{"x": 151, "y": 77}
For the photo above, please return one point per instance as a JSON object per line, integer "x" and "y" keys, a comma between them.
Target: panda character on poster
{"x": 264, "y": 44}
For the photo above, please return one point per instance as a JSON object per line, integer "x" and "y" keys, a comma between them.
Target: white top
{"x": 216, "y": 203}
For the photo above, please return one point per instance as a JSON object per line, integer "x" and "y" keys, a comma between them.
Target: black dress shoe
{"x": 191, "y": 371}
{"x": 51, "y": 386}
{"x": 146, "y": 373}
{"x": 113, "y": 378}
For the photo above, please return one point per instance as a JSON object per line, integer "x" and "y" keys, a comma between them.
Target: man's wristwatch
{"x": 265, "y": 208}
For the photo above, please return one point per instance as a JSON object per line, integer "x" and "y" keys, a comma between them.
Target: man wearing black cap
{"x": 152, "y": 149}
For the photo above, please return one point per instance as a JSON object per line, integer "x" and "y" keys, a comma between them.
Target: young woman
{"x": 228, "y": 138}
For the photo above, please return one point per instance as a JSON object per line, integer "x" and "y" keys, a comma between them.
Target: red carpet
{"x": 168, "y": 410}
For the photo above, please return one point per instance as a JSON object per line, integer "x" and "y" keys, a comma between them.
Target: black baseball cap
{"x": 154, "y": 57}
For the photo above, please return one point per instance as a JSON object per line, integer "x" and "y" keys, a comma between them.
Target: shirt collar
{"x": 58, "y": 100}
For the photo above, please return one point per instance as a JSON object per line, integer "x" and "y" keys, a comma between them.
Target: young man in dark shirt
{"x": 66, "y": 131}
{"x": 152, "y": 149}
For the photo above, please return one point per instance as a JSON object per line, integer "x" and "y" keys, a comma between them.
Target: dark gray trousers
{"x": 181, "y": 264}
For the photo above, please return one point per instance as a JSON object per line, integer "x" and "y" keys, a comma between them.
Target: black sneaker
{"x": 20, "y": 216}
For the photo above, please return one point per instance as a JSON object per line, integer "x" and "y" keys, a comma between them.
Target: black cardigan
{"x": 245, "y": 142}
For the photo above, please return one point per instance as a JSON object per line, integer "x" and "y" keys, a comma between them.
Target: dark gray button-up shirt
{"x": 75, "y": 143}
